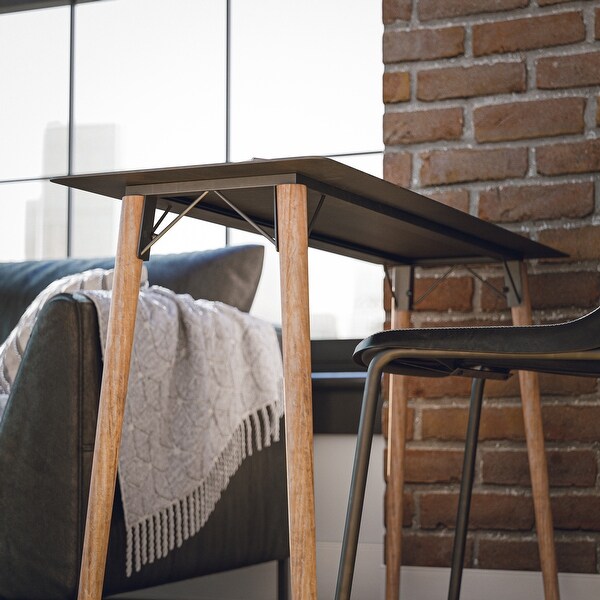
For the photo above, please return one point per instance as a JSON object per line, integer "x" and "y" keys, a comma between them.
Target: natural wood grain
{"x": 534, "y": 433}
{"x": 396, "y": 445}
{"x": 117, "y": 357}
{"x": 292, "y": 235}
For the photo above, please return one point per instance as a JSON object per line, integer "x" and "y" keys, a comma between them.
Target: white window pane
{"x": 149, "y": 84}
{"x": 94, "y": 225}
{"x": 95, "y": 228}
{"x": 190, "y": 235}
{"x": 34, "y": 94}
{"x": 267, "y": 303}
{"x": 346, "y": 295}
{"x": 368, "y": 163}
{"x": 306, "y": 77}
{"x": 34, "y": 221}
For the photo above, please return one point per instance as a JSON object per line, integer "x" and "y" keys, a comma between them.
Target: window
{"x": 152, "y": 86}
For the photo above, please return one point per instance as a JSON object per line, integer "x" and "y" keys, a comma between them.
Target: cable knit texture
{"x": 205, "y": 391}
{"x": 13, "y": 348}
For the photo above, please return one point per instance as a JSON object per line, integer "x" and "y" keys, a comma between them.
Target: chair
{"x": 47, "y": 439}
{"x": 571, "y": 348}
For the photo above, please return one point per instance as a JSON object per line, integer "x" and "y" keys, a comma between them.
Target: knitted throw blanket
{"x": 205, "y": 391}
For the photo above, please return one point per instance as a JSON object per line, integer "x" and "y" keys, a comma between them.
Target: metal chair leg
{"x": 466, "y": 487}
{"x": 359, "y": 477}
{"x": 283, "y": 578}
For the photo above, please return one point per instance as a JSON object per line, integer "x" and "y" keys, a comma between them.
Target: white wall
{"x": 333, "y": 465}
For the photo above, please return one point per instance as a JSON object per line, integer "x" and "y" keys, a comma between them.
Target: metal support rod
{"x": 466, "y": 488}
{"x": 514, "y": 280}
{"x": 172, "y": 223}
{"x": 316, "y": 214}
{"x": 161, "y": 219}
{"x": 359, "y": 476}
{"x": 500, "y": 293}
{"x": 246, "y": 218}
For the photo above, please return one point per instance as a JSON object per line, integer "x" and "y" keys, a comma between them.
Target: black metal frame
{"x": 361, "y": 466}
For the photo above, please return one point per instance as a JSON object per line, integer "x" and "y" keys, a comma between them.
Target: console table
{"x": 296, "y": 203}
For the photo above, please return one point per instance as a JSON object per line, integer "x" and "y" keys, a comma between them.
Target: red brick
{"x": 459, "y": 387}
{"x": 552, "y": 290}
{"x": 396, "y": 87}
{"x": 497, "y": 423}
{"x": 422, "y": 126}
{"x": 466, "y": 82}
{"x": 423, "y": 44}
{"x": 432, "y": 549}
{"x": 576, "y": 511}
{"x": 425, "y": 465}
{"x": 577, "y": 556}
{"x": 427, "y": 387}
{"x": 533, "y": 119}
{"x": 509, "y": 204}
{"x": 528, "y": 33}
{"x": 394, "y": 10}
{"x": 572, "y": 423}
{"x": 597, "y": 111}
{"x": 434, "y": 9}
{"x": 551, "y": 384}
{"x": 565, "y": 467}
{"x": 458, "y": 199}
{"x": 575, "y": 70}
{"x": 397, "y": 168}
{"x": 455, "y": 166}
{"x": 581, "y": 243}
{"x": 454, "y": 293}
{"x": 577, "y": 157}
{"x": 488, "y": 511}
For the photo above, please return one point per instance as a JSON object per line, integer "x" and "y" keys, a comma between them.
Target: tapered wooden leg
{"x": 117, "y": 357}
{"x": 394, "y": 492}
{"x": 532, "y": 415}
{"x": 293, "y": 256}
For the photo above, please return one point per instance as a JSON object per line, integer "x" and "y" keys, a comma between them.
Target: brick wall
{"x": 493, "y": 107}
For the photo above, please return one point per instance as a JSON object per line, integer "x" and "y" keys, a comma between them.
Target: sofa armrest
{"x": 45, "y": 435}
{"x": 46, "y": 447}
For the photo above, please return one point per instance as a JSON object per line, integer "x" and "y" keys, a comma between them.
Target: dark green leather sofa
{"x": 47, "y": 440}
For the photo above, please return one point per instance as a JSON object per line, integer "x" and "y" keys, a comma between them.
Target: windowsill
{"x": 337, "y": 385}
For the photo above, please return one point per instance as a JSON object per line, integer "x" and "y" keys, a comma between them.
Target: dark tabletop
{"x": 360, "y": 216}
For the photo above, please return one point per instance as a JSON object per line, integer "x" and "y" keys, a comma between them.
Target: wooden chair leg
{"x": 396, "y": 450}
{"x": 534, "y": 434}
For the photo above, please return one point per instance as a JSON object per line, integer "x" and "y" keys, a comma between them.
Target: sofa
{"x": 47, "y": 440}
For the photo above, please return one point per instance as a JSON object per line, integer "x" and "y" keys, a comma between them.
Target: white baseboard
{"x": 428, "y": 583}
{"x": 417, "y": 583}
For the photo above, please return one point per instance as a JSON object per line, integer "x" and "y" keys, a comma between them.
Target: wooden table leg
{"x": 293, "y": 256}
{"x": 117, "y": 357}
{"x": 396, "y": 446}
{"x": 532, "y": 415}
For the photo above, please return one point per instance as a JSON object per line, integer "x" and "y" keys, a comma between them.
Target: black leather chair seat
{"x": 567, "y": 348}
{"x": 571, "y": 348}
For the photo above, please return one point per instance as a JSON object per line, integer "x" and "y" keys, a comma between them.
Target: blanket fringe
{"x": 154, "y": 536}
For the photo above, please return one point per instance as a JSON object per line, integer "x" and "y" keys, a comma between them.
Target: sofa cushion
{"x": 11, "y": 351}
{"x": 229, "y": 274}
